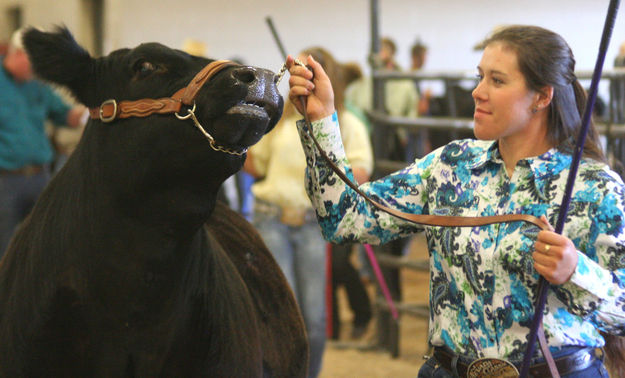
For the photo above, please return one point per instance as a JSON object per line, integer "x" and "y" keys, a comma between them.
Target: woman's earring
{"x": 534, "y": 109}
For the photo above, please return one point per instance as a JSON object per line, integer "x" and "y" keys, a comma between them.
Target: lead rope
{"x": 368, "y": 249}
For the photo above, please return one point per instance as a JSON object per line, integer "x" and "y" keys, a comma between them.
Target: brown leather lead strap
{"x": 440, "y": 220}
{"x": 546, "y": 353}
{"x": 111, "y": 110}
{"x": 428, "y": 220}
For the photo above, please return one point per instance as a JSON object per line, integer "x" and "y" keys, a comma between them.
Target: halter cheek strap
{"x": 111, "y": 110}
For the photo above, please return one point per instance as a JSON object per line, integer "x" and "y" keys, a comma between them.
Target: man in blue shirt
{"x": 25, "y": 149}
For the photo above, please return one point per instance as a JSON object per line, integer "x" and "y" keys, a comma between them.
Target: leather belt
{"x": 573, "y": 362}
{"x": 291, "y": 216}
{"x": 27, "y": 170}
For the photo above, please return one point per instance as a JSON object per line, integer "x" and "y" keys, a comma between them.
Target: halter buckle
{"x": 112, "y": 117}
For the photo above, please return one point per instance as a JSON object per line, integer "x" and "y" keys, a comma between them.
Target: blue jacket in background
{"x": 24, "y": 108}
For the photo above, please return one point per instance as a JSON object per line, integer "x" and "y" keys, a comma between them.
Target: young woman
{"x": 483, "y": 285}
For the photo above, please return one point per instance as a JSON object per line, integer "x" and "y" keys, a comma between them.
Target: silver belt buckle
{"x": 492, "y": 367}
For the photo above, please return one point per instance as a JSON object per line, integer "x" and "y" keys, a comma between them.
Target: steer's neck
{"x": 152, "y": 224}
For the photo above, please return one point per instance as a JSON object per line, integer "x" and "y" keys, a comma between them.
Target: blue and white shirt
{"x": 482, "y": 280}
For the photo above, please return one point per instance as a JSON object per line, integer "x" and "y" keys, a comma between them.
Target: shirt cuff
{"x": 592, "y": 277}
{"x": 327, "y": 133}
{"x": 589, "y": 285}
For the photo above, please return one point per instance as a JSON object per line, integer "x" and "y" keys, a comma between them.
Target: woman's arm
{"x": 596, "y": 287}
{"x": 344, "y": 216}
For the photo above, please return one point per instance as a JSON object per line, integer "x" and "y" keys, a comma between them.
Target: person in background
{"x": 353, "y": 73}
{"x": 420, "y": 139}
{"x": 388, "y": 48}
{"x": 619, "y": 60}
{"x": 400, "y": 100}
{"x": 418, "y": 55}
{"x": 617, "y": 87}
{"x": 483, "y": 280}
{"x": 344, "y": 273}
{"x": 283, "y": 214}
{"x": 400, "y": 95}
{"x": 64, "y": 141}
{"x": 26, "y": 153}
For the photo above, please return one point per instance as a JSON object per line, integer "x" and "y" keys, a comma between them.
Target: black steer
{"x": 126, "y": 266}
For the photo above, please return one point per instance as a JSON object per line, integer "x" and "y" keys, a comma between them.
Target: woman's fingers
{"x": 296, "y": 69}
{"x": 318, "y": 91}
{"x": 555, "y": 256}
{"x": 319, "y": 73}
{"x": 298, "y": 81}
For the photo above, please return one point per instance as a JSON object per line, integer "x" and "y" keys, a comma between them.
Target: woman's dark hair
{"x": 545, "y": 59}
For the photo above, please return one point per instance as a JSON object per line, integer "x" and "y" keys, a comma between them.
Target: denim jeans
{"x": 431, "y": 368}
{"x": 300, "y": 252}
{"x": 18, "y": 194}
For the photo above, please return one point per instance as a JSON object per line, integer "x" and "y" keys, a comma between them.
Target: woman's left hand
{"x": 555, "y": 255}
{"x": 316, "y": 89}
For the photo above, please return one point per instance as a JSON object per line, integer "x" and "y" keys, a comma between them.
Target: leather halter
{"x": 111, "y": 110}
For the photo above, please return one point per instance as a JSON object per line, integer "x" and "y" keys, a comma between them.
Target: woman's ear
{"x": 543, "y": 97}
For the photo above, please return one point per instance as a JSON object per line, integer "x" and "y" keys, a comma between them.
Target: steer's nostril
{"x": 245, "y": 74}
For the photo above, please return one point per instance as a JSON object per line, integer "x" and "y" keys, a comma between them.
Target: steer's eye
{"x": 144, "y": 68}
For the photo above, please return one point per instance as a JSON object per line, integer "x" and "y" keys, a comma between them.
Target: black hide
{"x": 126, "y": 267}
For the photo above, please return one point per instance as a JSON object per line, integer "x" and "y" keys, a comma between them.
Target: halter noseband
{"x": 111, "y": 110}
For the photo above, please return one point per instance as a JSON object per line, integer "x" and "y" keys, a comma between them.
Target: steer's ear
{"x": 56, "y": 57}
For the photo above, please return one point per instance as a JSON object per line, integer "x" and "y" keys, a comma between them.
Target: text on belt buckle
{"x": 492, "y": 367}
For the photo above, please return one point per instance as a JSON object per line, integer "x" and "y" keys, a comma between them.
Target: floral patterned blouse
{"x": 482, "y": 280}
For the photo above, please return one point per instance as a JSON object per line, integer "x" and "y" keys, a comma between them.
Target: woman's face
{"x": 503, "y": 103}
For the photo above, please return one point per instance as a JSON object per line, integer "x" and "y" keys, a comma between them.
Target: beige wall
{"x": 42, "y": 13}
{"x": 237, "y": 27}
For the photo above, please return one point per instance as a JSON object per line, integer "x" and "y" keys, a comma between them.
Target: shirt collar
{"x": 547, "y": 166}
{"x": 543, "y": 167}
{"x": 490, "y": 153}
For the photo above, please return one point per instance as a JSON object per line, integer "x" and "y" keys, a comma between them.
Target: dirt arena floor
{"x": 363, "y": 358}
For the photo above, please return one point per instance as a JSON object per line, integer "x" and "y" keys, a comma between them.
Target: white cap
{"x": 16, "y": 40}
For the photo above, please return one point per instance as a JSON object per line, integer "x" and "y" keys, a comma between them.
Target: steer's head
{"x": 237, "y": 106}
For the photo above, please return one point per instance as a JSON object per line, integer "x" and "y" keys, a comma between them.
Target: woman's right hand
{"x": 315, "y": 89}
